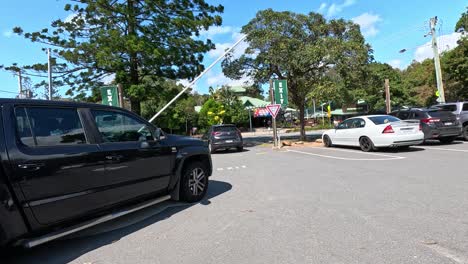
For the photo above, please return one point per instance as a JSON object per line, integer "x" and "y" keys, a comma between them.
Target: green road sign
{"x": 281, "y": 92}
{"x": 110, "y": 95}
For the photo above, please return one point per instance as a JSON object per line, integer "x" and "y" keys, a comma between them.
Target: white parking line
{"x": 360, "y": 152}
{"x": 448, "y": 253}
{"x": 353, "y": 159}
{"x": 445, "y": 149}
{"x": 232, "y": 168}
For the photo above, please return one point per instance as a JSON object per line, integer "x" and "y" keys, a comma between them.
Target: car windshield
{"x": 379, "y": 120}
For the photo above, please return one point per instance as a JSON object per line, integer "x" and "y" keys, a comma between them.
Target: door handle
{"x": 31, "y": 166}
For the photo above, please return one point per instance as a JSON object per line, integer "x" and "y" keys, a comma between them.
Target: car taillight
{"x": 216, "y": 133}
{"x": 388, "y": 129}
{"x": 430, "y": 120}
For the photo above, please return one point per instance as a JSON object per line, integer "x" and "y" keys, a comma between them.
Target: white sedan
{"x": 374, "y": 131}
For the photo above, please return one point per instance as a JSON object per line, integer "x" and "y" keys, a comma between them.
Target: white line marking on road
{"x": 446, "y": 149}
{"x": 341, "y": 158}
{"x": 448, "y": 253}
{"x": 229, "y": 168}
{"x": 237, "y": 167}
{"x": 360, "y": 152}
{"x": 243, "y": 166}
{"x": 219, "y": 169}
{"x": 260, "y": 153}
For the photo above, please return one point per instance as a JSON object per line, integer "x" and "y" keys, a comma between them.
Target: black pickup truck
{"x": 66, "y": 166}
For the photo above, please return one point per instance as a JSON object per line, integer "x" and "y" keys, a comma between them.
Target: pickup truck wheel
{"x": 465, "y": 133}
{"x": 194, "y": 182}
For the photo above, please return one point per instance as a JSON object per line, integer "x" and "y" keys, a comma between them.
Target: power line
{"x": 3, "y": 91}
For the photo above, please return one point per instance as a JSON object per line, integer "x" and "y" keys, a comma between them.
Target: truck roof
{"x": 52, "y": 103}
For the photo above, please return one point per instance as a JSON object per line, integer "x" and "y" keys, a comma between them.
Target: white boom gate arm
{"x": 196, "y": 79}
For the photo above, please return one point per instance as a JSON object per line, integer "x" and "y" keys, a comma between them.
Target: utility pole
{"x": 20, "y": 84}
{"x": 440, "y": 84}
{"x": 49, "y": 66}
{"x": 120, "y": 91}
{"x": 388, "y": 105}
{"x": 273, "y": 119}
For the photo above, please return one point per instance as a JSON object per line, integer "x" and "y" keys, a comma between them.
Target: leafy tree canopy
{"x": 132, "y": 39}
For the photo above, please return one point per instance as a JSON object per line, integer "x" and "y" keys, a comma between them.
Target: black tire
{"x": 446, "y": 140}
{"x": 194, "y": 182}
{"x": 465, "y": 133}
{"x": 366, "y": 144}
{"x": 240, "y": 148}
{"x": 327, "y": 141}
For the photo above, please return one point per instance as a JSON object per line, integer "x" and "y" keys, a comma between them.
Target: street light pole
{"x": 440, "y": 84}
{"x": 20, "y": 84}
{"x": 49, "y": 67}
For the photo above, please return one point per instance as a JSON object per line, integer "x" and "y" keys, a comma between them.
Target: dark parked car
{"x": 435, "y": 123}
{"x": 66, "y": 166}
{"x": 460, "y": 109}
{"x": 224, "y": 137}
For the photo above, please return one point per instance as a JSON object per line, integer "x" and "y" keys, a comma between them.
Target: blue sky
{"x": 388, "y": 26}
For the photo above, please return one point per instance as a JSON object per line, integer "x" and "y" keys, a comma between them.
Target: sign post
{"x": 110, "y": 95}
{"x": 273, "y": 118}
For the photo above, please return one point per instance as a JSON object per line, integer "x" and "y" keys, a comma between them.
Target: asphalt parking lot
{"x": 297, "y": 205}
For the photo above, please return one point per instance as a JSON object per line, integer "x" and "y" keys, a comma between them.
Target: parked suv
{"x": 66, "y": 166}
{"x": 224, "y": 137}
{"x": 460, "y": 109}
{"x": 435, "y": 123}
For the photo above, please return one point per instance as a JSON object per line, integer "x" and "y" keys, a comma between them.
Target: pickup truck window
{"x": 40, "y": 126}
{"x": 465, "y": 107}
{"x": 117, "y": 127}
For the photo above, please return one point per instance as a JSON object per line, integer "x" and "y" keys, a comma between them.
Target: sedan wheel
{"x": 366, "y": 144}
{"x": 327, "y": 141}
{"x": 465, "y": 133}
{"x": 194, "y": 182}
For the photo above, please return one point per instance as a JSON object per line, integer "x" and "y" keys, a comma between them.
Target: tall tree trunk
{"x": 302, "y": 121}
{"x": 134, "y": 76}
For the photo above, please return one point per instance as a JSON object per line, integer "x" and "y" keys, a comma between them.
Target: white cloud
{"x": 396, "y": 63}
{"x": 322, "y": 7}
{"x": 445, "y": 43}
{"x": 8, "y": 34}
{"x": 335, "y": 8}
{"x": 220, "y": 79}
{"x": 368, "y": 23}
{"x": 217, "y": 30}
{"x": 222, "y": 47}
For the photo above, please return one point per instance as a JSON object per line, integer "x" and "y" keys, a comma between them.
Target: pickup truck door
{"x": 57, "y": 173}
{"x": 137, "y": 163}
